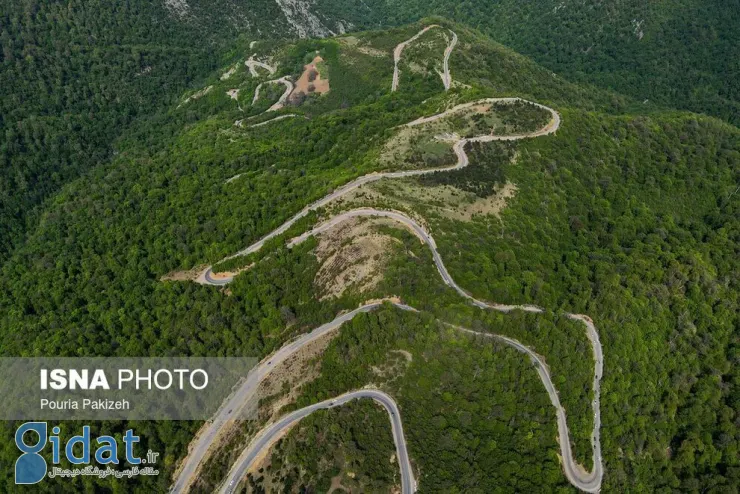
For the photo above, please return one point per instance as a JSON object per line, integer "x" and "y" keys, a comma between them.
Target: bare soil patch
{"x": 283, "y": 384}
{"x": 196, "y": 95}
{"x": 395, "y": 366}
{"x": 311, "y": 81}
{"x": 229, "y": 72}
{"x": 492, "y": 205}
{"x": 362, "y": 47}
{"x": 263, "y": 460}
{"x": 336, "y": 485}
{"x": 188, "y": 275}
{"x": 351, "y": 256}
{"x": 373, "y": 52}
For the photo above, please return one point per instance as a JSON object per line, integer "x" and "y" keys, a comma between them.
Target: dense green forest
{"x": 628, "y": 214}
{"x": 349, "y": 446}
{"x": 656, "y": 271}
{"x": 74, "y": 75}
{"x": 676, "y": 53}
{"x": 467, "y": 428}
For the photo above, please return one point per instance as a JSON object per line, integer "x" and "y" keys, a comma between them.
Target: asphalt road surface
{"x": 246, "y": 394}
{"x": 425, "y": 237}
{"x": 270, "y": 434}
{"x": 252, "y": 64}
{"x": 399, "y": 49}
{"x": 576, "y": 474}
{"x": 446, "y": 77}
{"x": 285, "y": 80}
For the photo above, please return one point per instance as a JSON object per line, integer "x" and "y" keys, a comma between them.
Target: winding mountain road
{"x": 270, "y": 434}
{"x": 206, "y": 277}
{"x": 446, "y": 77}
{"x": 285, "y": 80}
{"x": 576, "y": 474}
{"x": 277, "y": 119}
{"x": 245, "y": 395}
{"x": 252, "y": 65}
{"x": 425, "y": 237}
{"x": 397, "y": 54}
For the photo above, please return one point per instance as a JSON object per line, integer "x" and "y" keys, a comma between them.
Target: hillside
{"x": 74, "y": 75}
{"x": 625, "y": 212}
{"x": 678, "y": 53}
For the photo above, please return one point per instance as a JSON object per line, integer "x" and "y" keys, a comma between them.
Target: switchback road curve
{"x": 285, "y": 80}
{"x": 246, "y": 393}
{"x": 576, "y": 474}
{"x": 270, "y": 434}
{"x": 206, "y": 276}
{"x": 425, "y": 237}
{"x": 252, "y": 64}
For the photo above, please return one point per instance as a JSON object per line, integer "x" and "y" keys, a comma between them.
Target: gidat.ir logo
{"x": 31, "y": 467}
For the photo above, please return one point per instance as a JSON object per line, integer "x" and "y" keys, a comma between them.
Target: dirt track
{"x": 445, "y": 75}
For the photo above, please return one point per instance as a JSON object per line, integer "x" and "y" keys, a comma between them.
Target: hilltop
{"x": 677, "y": 54}
{"x": 75, "y": 76}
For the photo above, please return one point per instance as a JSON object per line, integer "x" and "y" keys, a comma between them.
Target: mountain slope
{"x": 73, "y": 75}
{"x": 626, "y": 213}
{"x": 678, "y": 53}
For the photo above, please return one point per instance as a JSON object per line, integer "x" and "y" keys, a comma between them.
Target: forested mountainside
{"x": 627, "y": 213}
{"x": 677, "y": 53}
{"x": 74, "y": 74}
